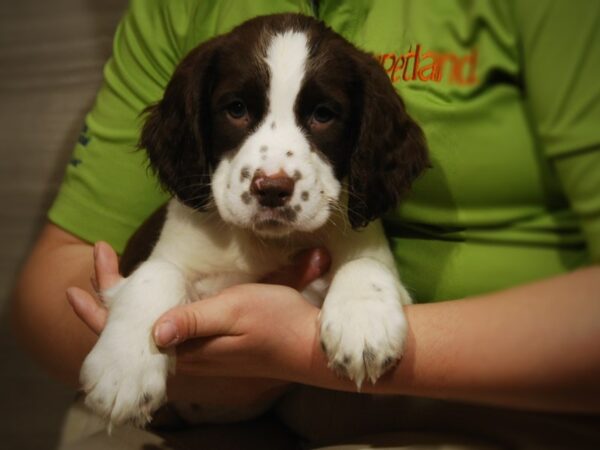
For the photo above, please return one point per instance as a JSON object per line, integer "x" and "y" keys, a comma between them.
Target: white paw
{"x": 124, "y": 376}
{"x": 124, "y": 383}
{"x": 363, "y": 327}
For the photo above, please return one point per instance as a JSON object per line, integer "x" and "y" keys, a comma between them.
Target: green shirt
{"x": 506, "y": 92}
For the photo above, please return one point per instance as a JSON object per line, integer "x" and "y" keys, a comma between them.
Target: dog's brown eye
{"x": 323, "y": 114}
{"x": 237, "y": 109}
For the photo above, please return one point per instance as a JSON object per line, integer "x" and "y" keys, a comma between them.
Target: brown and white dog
{"x": 275, "y": 137}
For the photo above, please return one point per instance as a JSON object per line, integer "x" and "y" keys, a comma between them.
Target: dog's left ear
{"x": 175, "y": 133}
{"x": 390, "y": 151}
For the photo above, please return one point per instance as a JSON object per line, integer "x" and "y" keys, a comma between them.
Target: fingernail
{"x": 74, "y": 299}
{"x": 316, "y": 259}
{"x": 320, "y": 260}
{"x": 165, "y": 334}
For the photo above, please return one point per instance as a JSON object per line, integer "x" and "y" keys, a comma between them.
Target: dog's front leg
{"x": 362, "y": 322}
{"x": 124, "y": 376}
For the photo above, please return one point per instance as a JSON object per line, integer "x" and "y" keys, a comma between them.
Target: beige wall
{"x": 51, "y": 58}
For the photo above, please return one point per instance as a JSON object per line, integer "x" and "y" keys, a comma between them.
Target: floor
{"x": 51, "y": 58}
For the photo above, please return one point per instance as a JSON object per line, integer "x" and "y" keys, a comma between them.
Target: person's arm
{"x": 531, "y": 347}
{"x": 42, "y": 318}
{"x": 534, "y": 346}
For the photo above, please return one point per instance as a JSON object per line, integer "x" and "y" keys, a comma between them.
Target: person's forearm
{"x": 535, "y": 346}
{"x": 42, "y": 317}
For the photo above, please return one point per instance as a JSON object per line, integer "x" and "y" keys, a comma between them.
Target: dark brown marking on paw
{"x": 263, "y": 149}
{"x": 387, "y": 363}
{"x": 305, "y": 196}
{"x": 289, "y": 153}
{"x": 323, "y": 347}
{"x": 297, "y": 175}
{"x": 246, "y": 197}
{"x": 339, "y": 368}
{"x": 297, "y": 208}
{"x": 369, "y": 355}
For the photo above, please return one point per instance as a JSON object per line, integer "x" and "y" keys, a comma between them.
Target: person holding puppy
{"x": 499, "y": 241}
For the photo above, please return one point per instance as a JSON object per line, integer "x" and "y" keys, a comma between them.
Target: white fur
{"x": 199, "y": 254}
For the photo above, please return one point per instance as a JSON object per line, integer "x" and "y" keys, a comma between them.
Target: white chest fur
{"x": 214, "y": 255}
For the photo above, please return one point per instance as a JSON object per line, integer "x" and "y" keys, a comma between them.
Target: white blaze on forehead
{"x": 286, "y": 56}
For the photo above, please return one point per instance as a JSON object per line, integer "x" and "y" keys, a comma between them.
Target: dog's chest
{"x": 215, "y": 255}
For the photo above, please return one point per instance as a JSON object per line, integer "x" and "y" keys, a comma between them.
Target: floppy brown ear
{"x": 390, "y": 152}
{"x": 175, "y": 133}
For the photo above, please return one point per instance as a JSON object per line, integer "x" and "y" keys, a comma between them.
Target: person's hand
{"x": 250, "y": 330}
{"x": 307, "y": 266}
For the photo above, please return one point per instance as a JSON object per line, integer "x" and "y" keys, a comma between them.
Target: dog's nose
{"x": 273, "y": 190}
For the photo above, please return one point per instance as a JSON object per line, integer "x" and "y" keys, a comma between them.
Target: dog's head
{"x": 270, "y": 121}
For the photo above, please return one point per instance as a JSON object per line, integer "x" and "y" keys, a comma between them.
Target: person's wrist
{"x": 306, "y": 354}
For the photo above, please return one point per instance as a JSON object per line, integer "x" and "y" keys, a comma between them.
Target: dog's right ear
{"x": 391, "y": 150}
{"x": 175, "y": 134}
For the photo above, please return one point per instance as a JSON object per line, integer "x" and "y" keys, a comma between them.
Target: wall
{"x": 51, "y": 58}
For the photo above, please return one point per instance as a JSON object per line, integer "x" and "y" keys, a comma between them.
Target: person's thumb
{"x": 307, "y": 266}
{"x": 209, "y": 317}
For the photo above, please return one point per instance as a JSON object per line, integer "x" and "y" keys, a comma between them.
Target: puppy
{"x": 275, "y": 137}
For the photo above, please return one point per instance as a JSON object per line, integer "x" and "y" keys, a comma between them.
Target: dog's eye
{"x": 322, "y": 114}
{"x": 237, "y": 109}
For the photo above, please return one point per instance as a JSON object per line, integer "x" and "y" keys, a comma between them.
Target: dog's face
{"x": 272, "y": 119}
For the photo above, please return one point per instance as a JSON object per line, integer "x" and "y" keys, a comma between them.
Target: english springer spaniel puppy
{"x": 275, "y": 137}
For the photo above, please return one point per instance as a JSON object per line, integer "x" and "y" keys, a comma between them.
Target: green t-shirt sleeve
{"x": 108, "y": 189}
{"x": 580, "y": 176}
{"x": 560, "y": 53}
